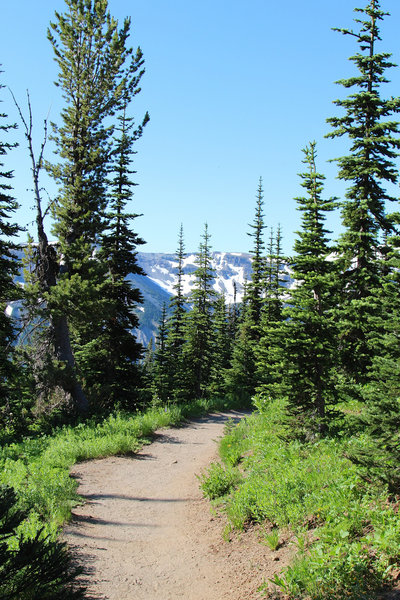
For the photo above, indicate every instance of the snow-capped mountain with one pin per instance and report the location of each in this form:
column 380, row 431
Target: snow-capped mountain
column 229, row 267
column 157, row 286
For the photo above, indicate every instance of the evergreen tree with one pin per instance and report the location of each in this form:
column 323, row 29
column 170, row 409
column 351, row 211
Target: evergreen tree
column 8, row 270
column 309, row 348
column 176, row 326
column 221, row 353
column 380, row 418
column 257, row 282
column 368, row 167
column 242, row 379
column 233, row 315
column 197, row 355
column 146, row 375
column 161, row 360
column 111, row 364
column 269, row 371
column 98, row 75
column 47, row 344
column 39, row 569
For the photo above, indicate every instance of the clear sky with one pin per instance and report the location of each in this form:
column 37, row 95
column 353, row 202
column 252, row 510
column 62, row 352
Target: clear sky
column 234, row 90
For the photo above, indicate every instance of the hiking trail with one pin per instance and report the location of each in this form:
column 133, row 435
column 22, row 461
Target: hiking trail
column 146, row 533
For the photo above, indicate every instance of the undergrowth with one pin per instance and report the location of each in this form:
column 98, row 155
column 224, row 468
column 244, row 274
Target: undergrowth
column 346, row 532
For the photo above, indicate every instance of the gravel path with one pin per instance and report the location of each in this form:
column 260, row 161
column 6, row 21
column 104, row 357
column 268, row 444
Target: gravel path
column 145, row 533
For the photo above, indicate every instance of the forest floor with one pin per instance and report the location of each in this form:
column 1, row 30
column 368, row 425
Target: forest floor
column 145, row 532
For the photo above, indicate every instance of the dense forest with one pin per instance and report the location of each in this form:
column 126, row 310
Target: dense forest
column 319, row 362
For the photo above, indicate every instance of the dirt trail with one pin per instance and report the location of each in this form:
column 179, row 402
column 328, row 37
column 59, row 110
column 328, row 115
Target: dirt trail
column 145, row 533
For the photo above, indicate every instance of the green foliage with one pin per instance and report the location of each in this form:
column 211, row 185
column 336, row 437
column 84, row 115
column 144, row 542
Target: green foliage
column 37, row 568
column 347, row 533
column 234, row 444
column 8, row 290
column 38, row 467
column 198, row 349
column 308, row 343
column 369, row 167
column 176, row 328
column 218, row 480
column 272, row 538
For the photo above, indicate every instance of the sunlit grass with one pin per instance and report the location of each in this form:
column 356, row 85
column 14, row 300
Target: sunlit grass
column 346, row 532
column 38, row 468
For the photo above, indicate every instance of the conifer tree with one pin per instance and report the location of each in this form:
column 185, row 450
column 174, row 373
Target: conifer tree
column 242, row 379
column 146, row 371
column 199, row 324
column 257, row 282
column 233, row 315
column 111, row 363
column 269, row 373
column 38, row 569
column 98, row 75
column 161, row 360
column 222, row 347
column 176, row 326
column 309, row 343
column 8, row 270
column 46, row 343
column 368, row 168
column 380, row 419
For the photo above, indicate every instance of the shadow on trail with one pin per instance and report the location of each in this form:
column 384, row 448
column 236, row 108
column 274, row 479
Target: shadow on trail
column 134, row 498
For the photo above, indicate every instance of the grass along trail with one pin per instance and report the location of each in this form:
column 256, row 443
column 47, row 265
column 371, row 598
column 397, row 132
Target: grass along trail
column 145, row 532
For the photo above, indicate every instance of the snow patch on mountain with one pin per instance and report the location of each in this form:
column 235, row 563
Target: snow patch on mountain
column 230, row 268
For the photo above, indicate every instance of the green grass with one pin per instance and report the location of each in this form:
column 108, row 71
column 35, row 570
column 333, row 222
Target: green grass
column 346, row 533
column 38, row 467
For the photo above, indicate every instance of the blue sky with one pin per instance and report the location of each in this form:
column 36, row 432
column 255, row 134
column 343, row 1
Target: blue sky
column 234, row 90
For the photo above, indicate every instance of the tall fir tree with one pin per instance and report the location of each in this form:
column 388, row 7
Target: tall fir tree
column 111, row 363
column 161, row 362
column 46, row 342
column 221, row 348
column 269, row 371
column 380, row 419
column 309, row 343
column 257, row 282
column 241, row 378
column 8, row 270
column 197, row 356
column 369, row 167
column 176, row 325
column 98, row 75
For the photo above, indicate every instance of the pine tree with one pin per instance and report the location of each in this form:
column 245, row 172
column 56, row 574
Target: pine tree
column 8, row 270
column 368, row 167
column 241, row 379
column 39, row 569
column 269, row 371
column 309, row 347
column 161, row 360
column 257, row 282
column 98, row 75
column 221, row 348
column 47, row 343
column 111, row 363
column 197, row 355
column 233, row 315
column 176, row 326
